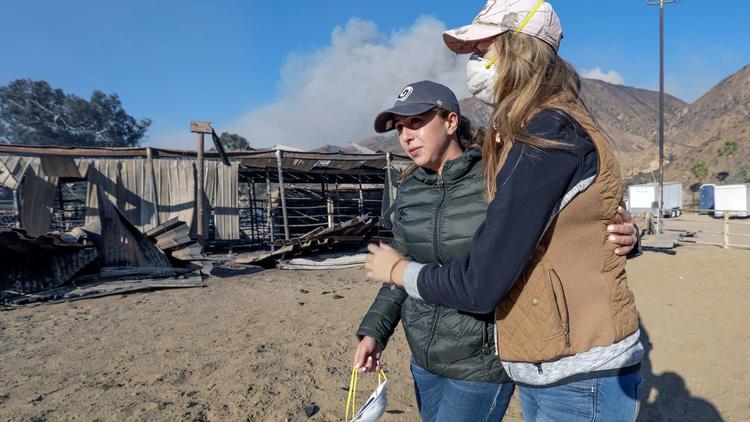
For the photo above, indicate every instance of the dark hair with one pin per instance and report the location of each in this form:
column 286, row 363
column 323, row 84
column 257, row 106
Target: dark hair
column 468, row 136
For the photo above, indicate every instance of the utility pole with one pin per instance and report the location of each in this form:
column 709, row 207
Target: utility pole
column 660, row 212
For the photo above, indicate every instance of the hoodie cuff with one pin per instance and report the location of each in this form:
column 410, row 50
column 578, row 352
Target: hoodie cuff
column 411, row 274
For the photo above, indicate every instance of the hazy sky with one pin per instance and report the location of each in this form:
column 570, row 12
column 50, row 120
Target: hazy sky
column 307, row 73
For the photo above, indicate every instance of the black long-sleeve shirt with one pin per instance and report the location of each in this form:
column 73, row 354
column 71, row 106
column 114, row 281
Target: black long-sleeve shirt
column 531, row 187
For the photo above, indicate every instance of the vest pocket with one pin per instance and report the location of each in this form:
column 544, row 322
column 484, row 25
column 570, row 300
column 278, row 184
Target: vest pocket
column 532, row 321
column 558, row 294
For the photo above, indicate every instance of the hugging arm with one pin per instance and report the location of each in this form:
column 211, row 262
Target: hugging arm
column 530, row 187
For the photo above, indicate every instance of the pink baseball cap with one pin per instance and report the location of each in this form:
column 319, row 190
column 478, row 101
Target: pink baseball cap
column 533, row 17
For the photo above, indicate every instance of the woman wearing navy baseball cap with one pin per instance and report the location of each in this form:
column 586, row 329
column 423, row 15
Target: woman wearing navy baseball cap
column 438, row 207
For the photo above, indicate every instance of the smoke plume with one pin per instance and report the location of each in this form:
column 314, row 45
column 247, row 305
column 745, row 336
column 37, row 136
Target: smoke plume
column 331, row 96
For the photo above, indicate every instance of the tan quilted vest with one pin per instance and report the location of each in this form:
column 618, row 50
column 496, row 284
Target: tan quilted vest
column 573, row 295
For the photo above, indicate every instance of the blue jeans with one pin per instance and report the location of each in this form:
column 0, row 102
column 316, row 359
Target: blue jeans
column 610, row 399
column 442, row 399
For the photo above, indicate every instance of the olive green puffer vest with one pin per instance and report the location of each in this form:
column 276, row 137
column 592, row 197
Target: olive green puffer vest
column 435, row 219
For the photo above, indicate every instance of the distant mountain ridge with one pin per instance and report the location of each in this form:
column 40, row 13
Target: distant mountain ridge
column 716, row 129
column 694, row 132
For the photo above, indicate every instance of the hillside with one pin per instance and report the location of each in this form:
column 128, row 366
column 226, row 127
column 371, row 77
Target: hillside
column 714, row 129
column 379, row 143
column 631, row 118
column 629, row 115
column 717, row 126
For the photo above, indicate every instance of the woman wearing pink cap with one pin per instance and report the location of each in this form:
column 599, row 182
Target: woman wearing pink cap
column 566, row 323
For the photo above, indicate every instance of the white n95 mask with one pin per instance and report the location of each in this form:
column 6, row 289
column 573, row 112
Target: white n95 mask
column 481, row 78
column 374, row 407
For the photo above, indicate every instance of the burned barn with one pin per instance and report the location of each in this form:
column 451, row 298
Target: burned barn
column 260, row 197
column 145, row 200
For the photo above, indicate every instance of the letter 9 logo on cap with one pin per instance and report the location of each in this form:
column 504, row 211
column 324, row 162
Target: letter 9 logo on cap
column 405, row 93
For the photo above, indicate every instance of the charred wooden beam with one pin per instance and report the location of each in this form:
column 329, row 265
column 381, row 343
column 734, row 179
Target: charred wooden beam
column 280, row 169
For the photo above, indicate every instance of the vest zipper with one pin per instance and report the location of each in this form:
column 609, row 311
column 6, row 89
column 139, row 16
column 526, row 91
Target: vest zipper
column 539, row 368
column 439, row 261
column 439, row 207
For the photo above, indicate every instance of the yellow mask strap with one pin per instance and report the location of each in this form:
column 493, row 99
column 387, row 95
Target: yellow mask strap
column 352, row 396
column 381, row 377
column 490, row 63
column 529, row 16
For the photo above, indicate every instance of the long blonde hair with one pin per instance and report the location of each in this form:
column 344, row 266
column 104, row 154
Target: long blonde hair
column 531, row 77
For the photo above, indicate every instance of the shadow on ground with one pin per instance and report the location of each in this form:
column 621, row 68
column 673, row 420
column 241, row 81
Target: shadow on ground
column 673, row 401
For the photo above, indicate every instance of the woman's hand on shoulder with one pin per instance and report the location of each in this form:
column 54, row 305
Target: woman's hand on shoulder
column 624, row 235
column 367, row 355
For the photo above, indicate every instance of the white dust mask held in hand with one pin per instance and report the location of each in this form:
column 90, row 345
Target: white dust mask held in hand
column 374, row 407
column 481, row 78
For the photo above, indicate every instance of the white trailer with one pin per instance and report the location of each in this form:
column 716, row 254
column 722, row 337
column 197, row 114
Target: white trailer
column 644, row 198
column 732, row 198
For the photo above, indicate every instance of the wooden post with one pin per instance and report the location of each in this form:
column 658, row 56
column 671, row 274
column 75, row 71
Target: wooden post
column 279, row 157
column 201, row 128
column 17, row 207
column 62, row 206
column 253, row 222
column 327, row 204
column 330, row 209
column 200, row 229
column 154, row 190
column 338, row 200
column 269, row 209
column 361, row 202
column 726, row 229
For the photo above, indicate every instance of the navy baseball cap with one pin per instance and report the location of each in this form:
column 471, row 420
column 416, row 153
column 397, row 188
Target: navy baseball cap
column 415, row 99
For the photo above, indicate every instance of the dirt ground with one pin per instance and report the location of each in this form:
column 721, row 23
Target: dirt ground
column 266, row 346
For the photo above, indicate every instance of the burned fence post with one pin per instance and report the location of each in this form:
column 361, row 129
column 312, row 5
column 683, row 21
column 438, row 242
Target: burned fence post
column 361, row 201
column 330, row 210
column 337, row 202
column 201, row 128
column 327, row 204
column 279, row 157
column 154, row 189
column 61, row 202
column 269, row 209
column 253, row 222
column 17, row 207
column 200, row 191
